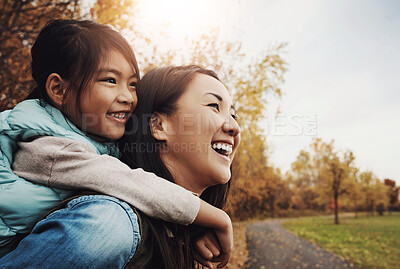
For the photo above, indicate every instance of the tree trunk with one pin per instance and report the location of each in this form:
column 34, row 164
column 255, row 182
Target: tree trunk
column 272, row 205
column 372, row 208
column 368, row 208
column 336, row 209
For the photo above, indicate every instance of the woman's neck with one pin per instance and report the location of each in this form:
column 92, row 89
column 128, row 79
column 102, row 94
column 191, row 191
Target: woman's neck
column 183, row 177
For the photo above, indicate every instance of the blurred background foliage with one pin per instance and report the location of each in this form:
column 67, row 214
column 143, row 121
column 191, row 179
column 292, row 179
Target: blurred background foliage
column 321, row 179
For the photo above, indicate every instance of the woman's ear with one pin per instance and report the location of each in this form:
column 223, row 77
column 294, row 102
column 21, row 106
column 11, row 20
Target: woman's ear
column 158, row 126
column 55, row 88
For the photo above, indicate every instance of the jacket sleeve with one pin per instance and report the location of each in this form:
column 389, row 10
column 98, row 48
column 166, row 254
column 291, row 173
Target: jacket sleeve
column 64, row 163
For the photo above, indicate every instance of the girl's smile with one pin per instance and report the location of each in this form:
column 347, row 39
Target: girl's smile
column 108, row 104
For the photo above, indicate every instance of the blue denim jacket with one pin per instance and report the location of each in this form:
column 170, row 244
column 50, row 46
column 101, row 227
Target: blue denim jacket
column 92, row 231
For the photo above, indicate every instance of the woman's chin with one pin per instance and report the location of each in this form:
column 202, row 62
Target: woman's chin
column 223, row 179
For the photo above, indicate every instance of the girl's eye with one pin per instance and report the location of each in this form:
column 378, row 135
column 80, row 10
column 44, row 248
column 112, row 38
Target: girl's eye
column 214, row 105
column 234, row 116
column 133, row 84
column 110, row 80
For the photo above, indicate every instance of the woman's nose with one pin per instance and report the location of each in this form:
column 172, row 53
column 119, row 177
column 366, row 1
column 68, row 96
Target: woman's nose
column 231, row 127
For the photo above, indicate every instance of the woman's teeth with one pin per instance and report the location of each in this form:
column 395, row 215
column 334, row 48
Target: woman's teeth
column 118, row 115
column 222, row 148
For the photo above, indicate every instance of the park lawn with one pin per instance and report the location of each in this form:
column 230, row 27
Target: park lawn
column 367, row 242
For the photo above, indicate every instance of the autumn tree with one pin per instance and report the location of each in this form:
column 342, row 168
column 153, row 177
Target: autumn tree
column 304, row 176
column 381, row 197
column 367, row 180
column 20, row 22
column 120, row 14
column 393, row 192
column 322, row 174
column 375, row 192
column 277, row 194
column 334, row 169
column 355, row 197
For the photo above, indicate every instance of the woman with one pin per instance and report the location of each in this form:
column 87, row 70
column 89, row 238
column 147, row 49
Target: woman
column 184, row 131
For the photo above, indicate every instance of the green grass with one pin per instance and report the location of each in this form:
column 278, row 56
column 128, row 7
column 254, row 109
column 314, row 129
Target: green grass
column 367, row 242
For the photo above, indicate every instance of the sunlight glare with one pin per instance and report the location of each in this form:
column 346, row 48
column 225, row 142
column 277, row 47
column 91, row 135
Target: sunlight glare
column 184, row 17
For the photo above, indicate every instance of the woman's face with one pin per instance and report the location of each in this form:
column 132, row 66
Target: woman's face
column 202, row 135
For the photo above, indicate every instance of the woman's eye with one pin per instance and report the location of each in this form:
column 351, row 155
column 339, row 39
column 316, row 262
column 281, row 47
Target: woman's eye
column 214, row 105
column 234, row 116
column 110, row 80
column 133, row 84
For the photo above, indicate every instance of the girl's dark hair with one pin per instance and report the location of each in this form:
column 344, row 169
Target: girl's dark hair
column 159, row 91
column 74, row 50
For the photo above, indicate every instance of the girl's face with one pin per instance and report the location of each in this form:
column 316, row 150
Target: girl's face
column 202, row 135
column 109, row 100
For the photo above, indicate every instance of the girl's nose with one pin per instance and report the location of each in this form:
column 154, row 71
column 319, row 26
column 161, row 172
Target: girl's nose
column 127, row 96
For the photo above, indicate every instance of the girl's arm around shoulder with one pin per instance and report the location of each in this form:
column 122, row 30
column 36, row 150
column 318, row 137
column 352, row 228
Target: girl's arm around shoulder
column 70, row 164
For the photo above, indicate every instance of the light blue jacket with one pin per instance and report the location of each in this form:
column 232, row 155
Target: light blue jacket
column 22, row 203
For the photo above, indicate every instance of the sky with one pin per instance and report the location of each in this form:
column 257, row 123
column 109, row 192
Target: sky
column 343, row 78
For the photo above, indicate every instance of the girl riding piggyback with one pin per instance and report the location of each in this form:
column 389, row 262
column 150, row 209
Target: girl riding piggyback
column 86, row 75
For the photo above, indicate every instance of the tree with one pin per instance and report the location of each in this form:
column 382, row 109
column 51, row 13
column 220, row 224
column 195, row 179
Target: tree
column 381, row 197
column 20, row 22
column 272, row 190
column 335, row 168
column 323, row 174
column 367, row 180
column 304, row 176
column 393, row 193
column 376, row 196
column 355, row 197
column 252, row 92
column 119, row 14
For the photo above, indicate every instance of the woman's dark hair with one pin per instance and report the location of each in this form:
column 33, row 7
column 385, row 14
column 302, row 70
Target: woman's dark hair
column 159, row 91
column 74, row 50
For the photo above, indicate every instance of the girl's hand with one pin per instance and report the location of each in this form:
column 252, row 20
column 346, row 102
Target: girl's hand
column 207, row 249
column 221, row 224
column 225, row 238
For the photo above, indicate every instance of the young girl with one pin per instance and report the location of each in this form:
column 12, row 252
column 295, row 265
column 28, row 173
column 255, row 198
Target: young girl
column 87, row 76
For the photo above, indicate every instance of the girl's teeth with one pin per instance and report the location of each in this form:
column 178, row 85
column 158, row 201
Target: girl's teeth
column 120, row 116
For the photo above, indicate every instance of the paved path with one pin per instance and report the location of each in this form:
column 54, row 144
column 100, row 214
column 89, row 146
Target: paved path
column 270, row 246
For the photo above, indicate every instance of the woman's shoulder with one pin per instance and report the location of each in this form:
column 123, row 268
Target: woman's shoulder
column 109, row 213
